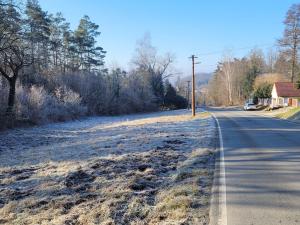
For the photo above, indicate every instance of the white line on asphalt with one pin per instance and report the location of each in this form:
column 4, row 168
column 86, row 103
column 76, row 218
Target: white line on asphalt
column 222, row 220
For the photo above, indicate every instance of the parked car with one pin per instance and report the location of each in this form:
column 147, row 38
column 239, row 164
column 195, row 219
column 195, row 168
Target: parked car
column 249, row 106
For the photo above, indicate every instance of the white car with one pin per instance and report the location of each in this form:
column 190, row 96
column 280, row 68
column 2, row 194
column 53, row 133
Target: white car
column 249, row 106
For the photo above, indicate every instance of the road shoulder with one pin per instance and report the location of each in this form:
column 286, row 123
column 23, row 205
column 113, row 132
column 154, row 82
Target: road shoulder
column 218, row 211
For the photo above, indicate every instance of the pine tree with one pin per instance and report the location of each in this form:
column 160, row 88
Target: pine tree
column 38, row 34
column 10, row 24
column 56, row 38
column 90, row 55
column 256, row 66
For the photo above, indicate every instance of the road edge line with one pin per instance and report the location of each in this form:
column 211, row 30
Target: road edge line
column 221, row 189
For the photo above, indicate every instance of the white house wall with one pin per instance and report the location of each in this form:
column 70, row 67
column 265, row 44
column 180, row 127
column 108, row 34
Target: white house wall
column 274, row 92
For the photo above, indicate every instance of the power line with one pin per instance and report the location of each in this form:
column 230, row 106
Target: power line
column 237, row 49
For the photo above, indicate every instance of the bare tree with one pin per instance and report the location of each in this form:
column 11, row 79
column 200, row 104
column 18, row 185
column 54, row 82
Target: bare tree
column 12, row 48
column 232, row 82
column 227, row 70
column 281, row 64
column 269, row 78
column 153, row 68
column 271, row 60
column 291, row 37
column 146, row 58
column 13, row 61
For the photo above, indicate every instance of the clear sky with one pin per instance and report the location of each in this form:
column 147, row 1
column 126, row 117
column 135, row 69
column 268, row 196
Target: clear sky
column 183, row 27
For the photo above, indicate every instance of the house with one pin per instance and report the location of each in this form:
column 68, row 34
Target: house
column 285, row 94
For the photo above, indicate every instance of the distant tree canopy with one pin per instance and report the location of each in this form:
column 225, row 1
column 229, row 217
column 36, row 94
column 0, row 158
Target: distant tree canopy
column 234, row 81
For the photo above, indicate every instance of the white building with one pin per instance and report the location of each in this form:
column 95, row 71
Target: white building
column 285, row 94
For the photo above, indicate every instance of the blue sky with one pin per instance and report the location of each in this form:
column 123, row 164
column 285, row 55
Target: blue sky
column 182, row 27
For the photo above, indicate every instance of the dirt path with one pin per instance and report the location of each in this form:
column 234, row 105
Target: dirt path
column 140, row 169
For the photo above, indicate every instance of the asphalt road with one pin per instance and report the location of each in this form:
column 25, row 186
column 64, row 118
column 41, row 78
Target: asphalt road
column 262, row 166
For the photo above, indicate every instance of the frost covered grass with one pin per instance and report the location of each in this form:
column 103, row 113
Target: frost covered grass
column 140, row 169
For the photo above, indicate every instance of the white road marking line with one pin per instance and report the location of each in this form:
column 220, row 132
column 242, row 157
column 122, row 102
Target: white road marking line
column 222, row 220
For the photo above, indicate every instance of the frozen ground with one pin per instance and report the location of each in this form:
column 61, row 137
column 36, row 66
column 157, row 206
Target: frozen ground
column 140, row 169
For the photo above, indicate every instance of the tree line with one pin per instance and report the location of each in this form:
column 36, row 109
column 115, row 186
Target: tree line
column 238, row 79
column 49, row 72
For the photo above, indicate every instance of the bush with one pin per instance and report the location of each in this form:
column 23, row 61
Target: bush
column 42, row 98
column 36, row 105
column 71, row 102
column 172, row 100
column 263, row 91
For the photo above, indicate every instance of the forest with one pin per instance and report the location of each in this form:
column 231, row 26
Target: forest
column 49, row 72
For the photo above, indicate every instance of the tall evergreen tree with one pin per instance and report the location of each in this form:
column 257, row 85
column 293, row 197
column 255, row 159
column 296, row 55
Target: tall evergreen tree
column 57, row 27
column 90, row 55
column 256, row 66
column 38, row 34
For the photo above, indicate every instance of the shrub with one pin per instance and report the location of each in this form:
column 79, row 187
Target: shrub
column 264, row 90
column 172, row 100
column 53, row 96
column 71, row 102
column 35, row 104
column 38, row 106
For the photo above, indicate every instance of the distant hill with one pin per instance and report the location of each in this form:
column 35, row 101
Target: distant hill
column 201, row 78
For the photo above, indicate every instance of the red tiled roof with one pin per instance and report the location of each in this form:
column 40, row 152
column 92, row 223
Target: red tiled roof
column 286, row 89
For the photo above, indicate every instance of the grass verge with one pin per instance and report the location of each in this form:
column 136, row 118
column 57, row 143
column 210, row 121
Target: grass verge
column 293, row 113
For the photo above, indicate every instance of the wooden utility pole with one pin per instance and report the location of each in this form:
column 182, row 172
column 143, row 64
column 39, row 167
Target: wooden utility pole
column 188, row 93
column 193, row 57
